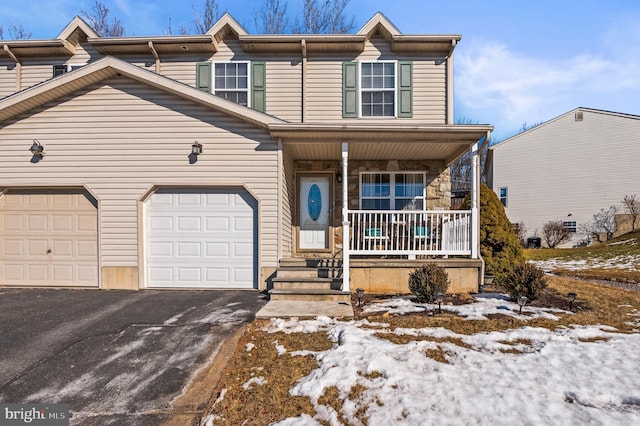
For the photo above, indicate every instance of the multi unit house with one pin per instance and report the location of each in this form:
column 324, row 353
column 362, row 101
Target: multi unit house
column 210, row 161
column 567, row 169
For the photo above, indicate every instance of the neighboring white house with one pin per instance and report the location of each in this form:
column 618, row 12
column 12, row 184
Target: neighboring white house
column 567, row 169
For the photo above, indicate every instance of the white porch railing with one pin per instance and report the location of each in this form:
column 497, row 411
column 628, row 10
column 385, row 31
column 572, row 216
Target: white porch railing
column 410, row 232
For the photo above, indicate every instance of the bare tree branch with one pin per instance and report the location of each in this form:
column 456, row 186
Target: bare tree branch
column 272, row 17
column 555, row 233
column 632, row 205
column 98, row 18
column 204, row 20
column 324, row 17
column 16, row 32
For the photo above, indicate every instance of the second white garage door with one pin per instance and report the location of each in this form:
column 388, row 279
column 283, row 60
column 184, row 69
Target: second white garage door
column 199, row 238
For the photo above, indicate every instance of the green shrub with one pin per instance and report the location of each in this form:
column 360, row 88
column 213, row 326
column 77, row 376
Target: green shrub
column 499, row 245
column 426, row 282
column 525, row 279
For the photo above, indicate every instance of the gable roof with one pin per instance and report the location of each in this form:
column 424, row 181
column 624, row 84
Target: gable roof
column 76, row 29
column 553, row 120
column 108, row 67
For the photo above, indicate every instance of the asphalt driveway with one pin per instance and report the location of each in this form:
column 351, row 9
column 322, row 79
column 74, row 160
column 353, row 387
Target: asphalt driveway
column 116, row 357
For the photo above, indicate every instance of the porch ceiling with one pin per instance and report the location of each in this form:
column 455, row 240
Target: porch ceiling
column 370, row 142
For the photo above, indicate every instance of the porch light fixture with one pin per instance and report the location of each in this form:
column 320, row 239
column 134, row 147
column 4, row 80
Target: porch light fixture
column 360, row 295
column 339, row 177
column 440, row 299
column 522, row 300
column 37, row 149
column 572, row 298
column 196, row 148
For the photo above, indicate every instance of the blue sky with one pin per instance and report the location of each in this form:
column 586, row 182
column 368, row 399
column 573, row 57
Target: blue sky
column 518, row 61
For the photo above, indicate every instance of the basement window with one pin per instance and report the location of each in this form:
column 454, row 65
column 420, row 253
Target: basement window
column 571, row 226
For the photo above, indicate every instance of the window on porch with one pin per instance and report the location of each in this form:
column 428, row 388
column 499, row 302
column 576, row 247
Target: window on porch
column 392, row 190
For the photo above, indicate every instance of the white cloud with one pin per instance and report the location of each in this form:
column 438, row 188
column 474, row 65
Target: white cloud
column 507, row 88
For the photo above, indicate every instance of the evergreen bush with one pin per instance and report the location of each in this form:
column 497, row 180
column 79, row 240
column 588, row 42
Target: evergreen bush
column 499, row 245
column 427, row 281
column 525, row 279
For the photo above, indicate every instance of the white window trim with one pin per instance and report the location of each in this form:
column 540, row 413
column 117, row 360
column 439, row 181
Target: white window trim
column 395, row 89
column 392, row 184
column 70, row 67
column 213, row 77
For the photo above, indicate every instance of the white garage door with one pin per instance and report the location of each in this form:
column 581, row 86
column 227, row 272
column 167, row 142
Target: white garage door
column 201, row 239
column 48, row 238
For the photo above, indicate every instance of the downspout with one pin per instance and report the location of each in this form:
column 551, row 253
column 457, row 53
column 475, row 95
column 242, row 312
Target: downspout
column 487, row 140
column 303, row 44
column 154, row 52
column 450, row 119
column 18, row 67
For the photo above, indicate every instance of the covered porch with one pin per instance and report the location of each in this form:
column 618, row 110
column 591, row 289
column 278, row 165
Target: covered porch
column 375, row 199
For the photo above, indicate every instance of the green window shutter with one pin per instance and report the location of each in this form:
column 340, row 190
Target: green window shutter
column 405, row 90
column 349, row 89
column 258, row 86
column 203, row 76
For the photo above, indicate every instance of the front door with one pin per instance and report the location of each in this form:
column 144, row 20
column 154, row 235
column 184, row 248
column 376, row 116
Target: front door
column 314, row 210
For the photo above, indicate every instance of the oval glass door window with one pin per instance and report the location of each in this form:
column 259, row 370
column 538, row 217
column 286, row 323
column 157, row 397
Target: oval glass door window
column 314, row 201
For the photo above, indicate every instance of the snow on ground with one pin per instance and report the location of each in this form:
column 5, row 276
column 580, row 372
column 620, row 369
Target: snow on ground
column 558, row 378
column 630, row 262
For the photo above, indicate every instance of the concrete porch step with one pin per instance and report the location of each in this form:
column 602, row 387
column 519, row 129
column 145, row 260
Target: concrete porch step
column 310, row 263
column 301, row 309
column 310, row 295
column 302, row 284
column 297, row 272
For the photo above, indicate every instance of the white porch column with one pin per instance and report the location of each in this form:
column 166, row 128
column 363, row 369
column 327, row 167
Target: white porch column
column 345, row 217
column 475, row 201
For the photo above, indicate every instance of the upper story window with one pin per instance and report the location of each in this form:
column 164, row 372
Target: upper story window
column 503, row 195
column 392, row 190
column 231, row 81
column 378, row 89
column 241, row 82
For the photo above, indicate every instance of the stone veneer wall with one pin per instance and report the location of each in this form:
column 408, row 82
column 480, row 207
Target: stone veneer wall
column 438, row 184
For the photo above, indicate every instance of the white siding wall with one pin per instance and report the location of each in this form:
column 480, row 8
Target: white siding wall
column 567, row 166
column 121, row 138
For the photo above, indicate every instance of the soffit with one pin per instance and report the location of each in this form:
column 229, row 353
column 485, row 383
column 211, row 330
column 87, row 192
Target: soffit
column 163, row 45
column 28, row 48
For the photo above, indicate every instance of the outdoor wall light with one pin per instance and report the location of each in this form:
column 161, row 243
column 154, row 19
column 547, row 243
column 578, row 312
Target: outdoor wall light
column 196, row 148
column 440, row 299
column 37, row 149
column 360, row 295
column 572, row 298
column 522, row 300
column 339, row 177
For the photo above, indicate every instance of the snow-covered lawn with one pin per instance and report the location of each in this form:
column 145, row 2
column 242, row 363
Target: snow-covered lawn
column 528, row 375
column 628, row 262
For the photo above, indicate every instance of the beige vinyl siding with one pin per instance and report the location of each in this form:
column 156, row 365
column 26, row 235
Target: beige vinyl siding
column 230, row 49
column 566, row 166
column 121, row 138
column 180, row 69
column 429, row 91
column 35, row 73
column 288, row 203
column 324, row 89
column 7, row 78
column 324, row 85
column 284, row 89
